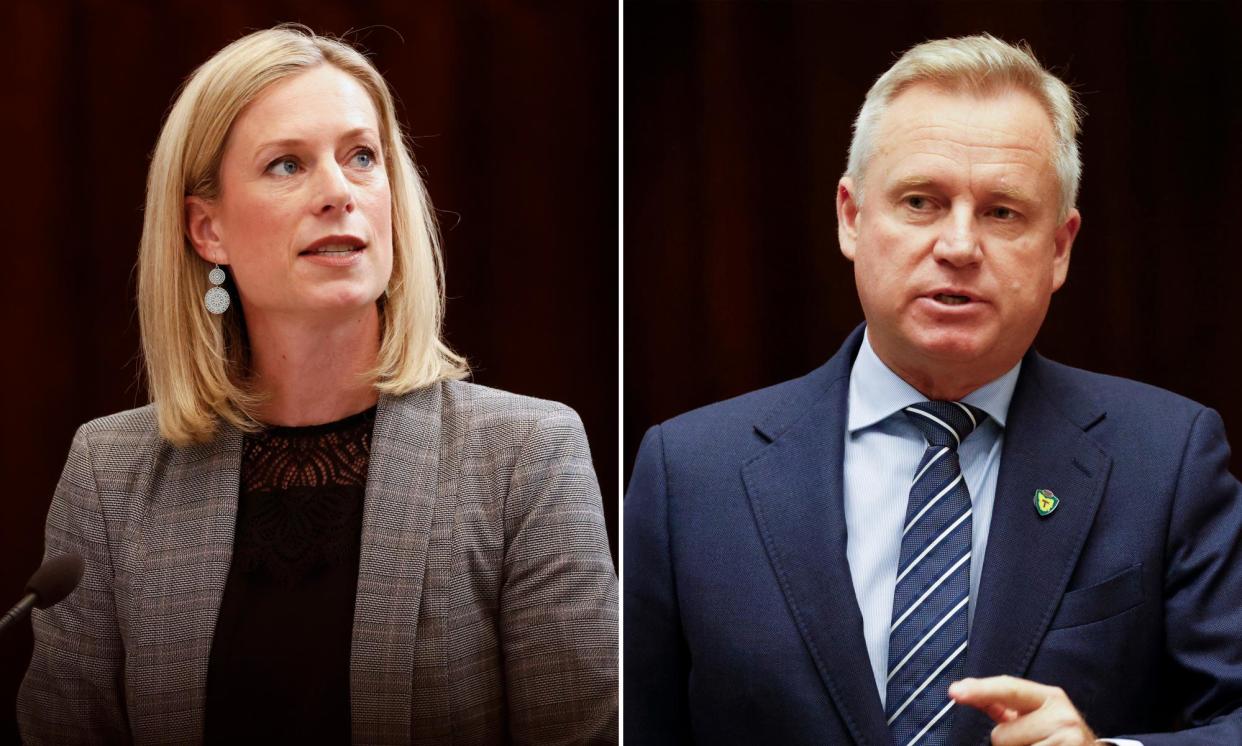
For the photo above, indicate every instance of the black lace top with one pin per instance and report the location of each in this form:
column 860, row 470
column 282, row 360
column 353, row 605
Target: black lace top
column 279, row 665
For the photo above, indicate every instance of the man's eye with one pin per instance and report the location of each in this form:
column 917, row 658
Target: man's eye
column 916, row 202
column 1003, row 213
column 283, row 167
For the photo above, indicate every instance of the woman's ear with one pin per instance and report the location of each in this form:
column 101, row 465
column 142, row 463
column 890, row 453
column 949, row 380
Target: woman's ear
column 203, row 231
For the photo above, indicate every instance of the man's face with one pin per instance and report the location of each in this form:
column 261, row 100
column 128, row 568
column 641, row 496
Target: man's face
column 957, row 246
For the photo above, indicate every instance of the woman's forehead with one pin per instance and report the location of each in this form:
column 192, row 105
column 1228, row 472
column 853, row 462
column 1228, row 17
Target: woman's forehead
column 323, row 100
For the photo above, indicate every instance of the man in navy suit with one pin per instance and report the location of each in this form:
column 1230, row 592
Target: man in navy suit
column 940, row 536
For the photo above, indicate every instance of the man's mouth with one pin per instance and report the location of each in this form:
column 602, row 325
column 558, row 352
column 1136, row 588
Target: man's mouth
column 950, row 300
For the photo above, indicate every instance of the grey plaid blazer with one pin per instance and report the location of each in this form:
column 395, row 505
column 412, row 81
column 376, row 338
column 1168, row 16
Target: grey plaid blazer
column 487, row 599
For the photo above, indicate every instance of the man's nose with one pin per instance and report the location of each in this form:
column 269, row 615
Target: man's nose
column 334, row 190
column 958, row 242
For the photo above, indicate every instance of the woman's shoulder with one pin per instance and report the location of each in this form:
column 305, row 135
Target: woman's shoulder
column 494, row 446
column 127, row 426
column 126, row 441
column 478, row 405
column 481, row 414
column 489, row 403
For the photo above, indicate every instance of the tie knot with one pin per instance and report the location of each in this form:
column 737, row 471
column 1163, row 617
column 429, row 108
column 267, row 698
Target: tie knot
column 945, row 423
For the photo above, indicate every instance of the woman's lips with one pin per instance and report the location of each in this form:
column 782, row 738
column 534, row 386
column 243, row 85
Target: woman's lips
column 333, row 256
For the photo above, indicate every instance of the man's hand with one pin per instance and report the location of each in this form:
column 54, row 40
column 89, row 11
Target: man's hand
column 1026, row 712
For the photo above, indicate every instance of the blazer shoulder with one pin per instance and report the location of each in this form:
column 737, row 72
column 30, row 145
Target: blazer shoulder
column 121, row 458
column 488, row 408
column 503, row 422
column 502, row 434
column 127, row 424
column 1117, row 397
column 740, row 414
column 132, row 435
column 718, row 438
column 484, row 401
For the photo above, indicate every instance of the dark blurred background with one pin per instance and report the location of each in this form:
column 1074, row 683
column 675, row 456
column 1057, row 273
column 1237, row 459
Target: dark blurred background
column 513, row 106
column 737, row 123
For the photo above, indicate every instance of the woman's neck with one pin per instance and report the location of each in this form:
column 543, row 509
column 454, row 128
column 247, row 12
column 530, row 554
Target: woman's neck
column 312, row 373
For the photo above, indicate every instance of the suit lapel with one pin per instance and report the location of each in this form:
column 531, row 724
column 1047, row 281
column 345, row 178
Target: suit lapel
column 396, row 527
column 795, row 486
column 1029, row 558
column 187, row 542
column 187, row 545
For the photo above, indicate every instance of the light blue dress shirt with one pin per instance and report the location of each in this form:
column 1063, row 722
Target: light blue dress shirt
column 882, row 453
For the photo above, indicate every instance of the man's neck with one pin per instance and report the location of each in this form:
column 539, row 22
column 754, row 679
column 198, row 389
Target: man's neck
column 316, row 372
column 940, row 381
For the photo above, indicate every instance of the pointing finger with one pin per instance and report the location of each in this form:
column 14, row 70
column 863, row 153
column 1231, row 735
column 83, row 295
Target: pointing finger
column 1001, row 713
column 1008, row 692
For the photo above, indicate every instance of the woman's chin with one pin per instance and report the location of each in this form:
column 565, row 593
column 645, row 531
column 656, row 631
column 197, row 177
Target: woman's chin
column 318, row 306
column 343, row 295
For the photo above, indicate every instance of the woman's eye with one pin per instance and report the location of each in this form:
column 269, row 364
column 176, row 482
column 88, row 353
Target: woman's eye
column 283, row 167
column 364, row 158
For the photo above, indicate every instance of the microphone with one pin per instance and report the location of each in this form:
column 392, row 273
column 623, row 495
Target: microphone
column 55, row 579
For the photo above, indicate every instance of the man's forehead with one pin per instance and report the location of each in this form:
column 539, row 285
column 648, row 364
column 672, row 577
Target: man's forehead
column 1009, row 117
column 928, row 133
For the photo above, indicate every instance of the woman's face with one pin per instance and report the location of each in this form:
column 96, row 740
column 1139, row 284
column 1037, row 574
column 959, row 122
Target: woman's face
column 304, row 214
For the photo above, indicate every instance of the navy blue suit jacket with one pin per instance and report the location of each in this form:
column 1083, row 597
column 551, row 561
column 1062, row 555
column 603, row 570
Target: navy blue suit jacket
column 741, row 623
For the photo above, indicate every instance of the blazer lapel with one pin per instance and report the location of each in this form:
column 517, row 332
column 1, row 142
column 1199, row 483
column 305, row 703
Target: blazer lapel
column 1029, row 558
column 795, row 486
column 187, row 544
column 396, row 527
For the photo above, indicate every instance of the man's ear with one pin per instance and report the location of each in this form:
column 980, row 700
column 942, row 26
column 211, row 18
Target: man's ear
column 202, row 229
column 1063, row 242
column 847, row 216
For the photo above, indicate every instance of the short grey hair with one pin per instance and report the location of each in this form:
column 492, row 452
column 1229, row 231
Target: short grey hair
column 977, row 64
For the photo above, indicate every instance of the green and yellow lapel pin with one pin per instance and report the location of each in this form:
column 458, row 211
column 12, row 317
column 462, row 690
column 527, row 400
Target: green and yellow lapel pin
column 1045, row 502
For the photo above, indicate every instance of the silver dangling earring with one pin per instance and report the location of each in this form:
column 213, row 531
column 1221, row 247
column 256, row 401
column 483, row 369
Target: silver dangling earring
column 217, row 298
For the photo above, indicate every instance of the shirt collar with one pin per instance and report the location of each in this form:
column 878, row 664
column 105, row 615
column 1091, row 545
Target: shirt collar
column 876, row 392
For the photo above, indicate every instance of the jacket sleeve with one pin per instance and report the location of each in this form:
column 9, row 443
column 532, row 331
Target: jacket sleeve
column 558, row 603
column 1202, row 588
column 73, row 691
column 657, row 660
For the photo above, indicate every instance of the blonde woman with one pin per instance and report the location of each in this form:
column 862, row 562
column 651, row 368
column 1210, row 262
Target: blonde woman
column 316, row 532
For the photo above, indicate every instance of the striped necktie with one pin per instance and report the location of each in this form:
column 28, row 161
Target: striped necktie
column 927, row 639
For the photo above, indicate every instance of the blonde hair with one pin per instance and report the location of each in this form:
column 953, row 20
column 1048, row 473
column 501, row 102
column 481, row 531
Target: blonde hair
column 197, row 363
column 977, row 64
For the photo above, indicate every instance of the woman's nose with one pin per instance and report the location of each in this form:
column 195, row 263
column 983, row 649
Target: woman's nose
column 336, row 193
